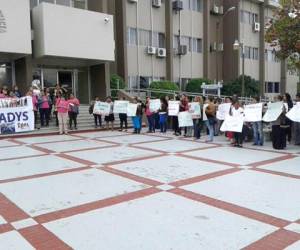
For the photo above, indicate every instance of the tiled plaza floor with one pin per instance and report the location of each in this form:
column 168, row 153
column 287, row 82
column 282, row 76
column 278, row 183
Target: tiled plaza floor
column 118, row 191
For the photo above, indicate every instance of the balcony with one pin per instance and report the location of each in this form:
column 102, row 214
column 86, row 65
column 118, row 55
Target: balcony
column 66, row 33
column 15, row 32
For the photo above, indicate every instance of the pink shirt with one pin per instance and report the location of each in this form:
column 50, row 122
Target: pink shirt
column 62, row 106
column 73, row 101
column 34, row 102
column 45, row 103
column 2, row 95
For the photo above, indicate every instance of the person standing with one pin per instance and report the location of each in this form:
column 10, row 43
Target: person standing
column 258, row 134
column 44, row 103
column 237, row 111
column 289, row 124
column 150, row 116
column 110, row 118
column 184, row 106
column 297, row 124
column 177, row 130
column 197, row 119
column 123, row 119
column 163, row 115
column 210, row 113
column 62, row 106
column 97, row 117
column 73, row 111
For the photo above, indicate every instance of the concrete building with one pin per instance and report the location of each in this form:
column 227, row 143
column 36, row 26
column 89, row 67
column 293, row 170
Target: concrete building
column 70, row 42
column 80, row 43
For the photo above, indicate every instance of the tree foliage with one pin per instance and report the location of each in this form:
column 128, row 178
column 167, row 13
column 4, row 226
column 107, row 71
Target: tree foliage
column 116, row 82
column 235, row 87
column 163, row 85
column 194, row 85
column 283, row 32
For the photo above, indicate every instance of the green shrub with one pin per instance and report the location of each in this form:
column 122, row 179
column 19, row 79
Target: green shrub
column 194, row 85
column 163, row 85
column 116, row 82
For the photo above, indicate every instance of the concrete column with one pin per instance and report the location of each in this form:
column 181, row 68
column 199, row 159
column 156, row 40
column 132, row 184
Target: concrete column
column 169, row 40
column 99, row 76
column 262, row 62
column 23, row 69
column 206, row 38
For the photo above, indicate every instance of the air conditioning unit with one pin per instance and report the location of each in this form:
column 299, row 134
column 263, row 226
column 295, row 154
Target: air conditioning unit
column 132, row 1
column 256, row 27
column 161, row 52
column 221, row 47
column 215, row 9
column 177, row 5
column 151, row 50
column 182, row 50
column 213, row 46
column 156, row 3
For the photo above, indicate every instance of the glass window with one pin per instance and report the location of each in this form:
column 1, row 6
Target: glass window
column 144, row 37
column 276, row 87
column 131, row 36
column 197, row 45
column 145, row 82
column 186, row 41
column 46, row 1
column 6, row 74
column 161, row 40
column 186, row 4
column 64, row 2
column 197, row 5
column 132, row 82
column 80, row 4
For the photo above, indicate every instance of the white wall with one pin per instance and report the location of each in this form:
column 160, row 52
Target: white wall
column 74, row 33
column 17, row 38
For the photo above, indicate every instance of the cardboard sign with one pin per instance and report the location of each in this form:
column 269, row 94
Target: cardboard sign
column 273, row 112
column 154, row 105
column 131, row 109
column 185, row 119
column 233, row 124
column 253, row 112
column 101, row 108
column 223, row 111
column 294, row 113
column 195, row 109
column 173, row 108
column 120, row 107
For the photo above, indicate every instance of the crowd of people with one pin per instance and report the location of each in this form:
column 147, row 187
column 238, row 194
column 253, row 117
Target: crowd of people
column 63, row 107
column 49, row 103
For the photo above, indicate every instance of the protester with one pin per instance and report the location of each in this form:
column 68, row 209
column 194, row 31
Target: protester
column 97, row 117
column 184, row 106
column 289, row 105
column 73, row 111
column 44, row 103
column 150, row 117
column 258, row 134
column 62, row 106
column 197, row 119
column 278, row 129
column 237, row 111
column 210, row 113
column 34, row 107
column 110, row 118
column 4, row 93
column 177, row 130
column 297, row 125
column 163, row 115
column 137, row 124
column 16, row 91
column 123, row 120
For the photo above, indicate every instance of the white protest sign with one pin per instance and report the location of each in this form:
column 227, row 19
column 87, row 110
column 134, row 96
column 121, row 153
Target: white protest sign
column 294, row 113
column 223, row 111
column 185, row 119
column 195, row 109
column 131, row 109
column 120, row 107
column 154, row 105
column 173, row 108
column 253, row 112
column 232, row 124
column 14, row 120
column 273, row 112
column 101, row 108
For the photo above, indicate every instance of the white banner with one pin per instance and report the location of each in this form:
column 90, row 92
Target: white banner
column 173, row 108
column 101, row 108
column 223, row 111
column 16, row 102
column 131, row 109
column 185, row 119
column 120, row 107
column 195, row 109
column 294, row 113
column 232, row 124
column 15, row 120
column 154, row 105
column 253, row 112
column 273, row 112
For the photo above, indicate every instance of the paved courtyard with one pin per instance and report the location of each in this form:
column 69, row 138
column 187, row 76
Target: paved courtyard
column 119, row 191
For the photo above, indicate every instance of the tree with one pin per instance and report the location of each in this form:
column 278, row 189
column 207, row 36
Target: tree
column 283, row 32
column 235, row 87
column 194, row 85
column 163, row 85
column 116, row 82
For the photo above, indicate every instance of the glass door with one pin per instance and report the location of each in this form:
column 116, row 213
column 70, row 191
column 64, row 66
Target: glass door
column 65, row 79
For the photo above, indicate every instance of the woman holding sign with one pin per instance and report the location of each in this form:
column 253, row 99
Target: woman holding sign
column 110, row 118
column 163, row 115
column 150, row 116
column 210, row 113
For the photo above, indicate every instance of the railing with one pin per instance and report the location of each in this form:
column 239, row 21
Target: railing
column 154, row 93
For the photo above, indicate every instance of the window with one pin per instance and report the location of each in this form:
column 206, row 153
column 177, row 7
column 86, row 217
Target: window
column 250, row 53
column 159, row 40
column 80, row 4
column 145, row 82
column 272, row 87
column 133, row 82
column 131, row 36
column 186, row 41
column 186, row 4
column 197, row 45
column 197, row 5
column 64, row 2
column 248, row 17
column 144, row 37
column 270, row 56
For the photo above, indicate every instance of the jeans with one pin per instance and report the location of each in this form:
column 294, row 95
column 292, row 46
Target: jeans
column 44, row 115
column 97, row 118
column 210, row 128
column 197, row 128
column 163, row 123
column 151, row 122
column 258, row 133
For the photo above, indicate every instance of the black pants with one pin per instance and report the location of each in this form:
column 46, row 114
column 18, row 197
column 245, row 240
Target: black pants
column 56, row 118
column 72, row 118
column 176, row 128
column 238, row 137
column 123, row 120
column 98, row 118
column 278, row 137
column 44, row 116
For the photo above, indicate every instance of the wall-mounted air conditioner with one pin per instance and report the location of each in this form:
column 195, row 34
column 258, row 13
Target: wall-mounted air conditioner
column 256, row 27
column 182, row 50
column 215, row 9
column 161, row 52
column 156, row 3
column 151, row 50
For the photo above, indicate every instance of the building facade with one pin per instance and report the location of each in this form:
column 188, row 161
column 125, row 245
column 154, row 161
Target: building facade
column 70, row 42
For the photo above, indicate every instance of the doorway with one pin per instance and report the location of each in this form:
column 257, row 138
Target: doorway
column 66, row 80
